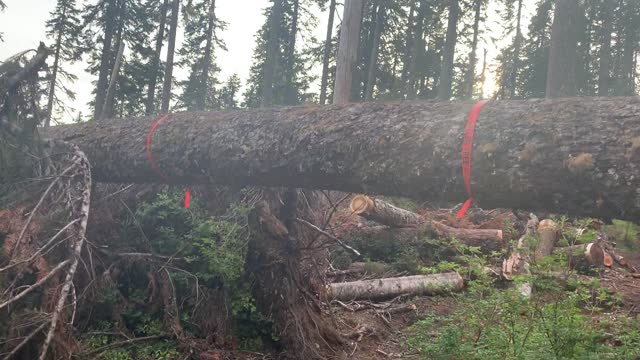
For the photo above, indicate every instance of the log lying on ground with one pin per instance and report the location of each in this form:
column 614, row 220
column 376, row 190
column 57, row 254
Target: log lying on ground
column 577, row 155
column 392, row 287
column 405, row 225
column 383, row 213
column 584, row 256
column 548, row 235
column 519, row 261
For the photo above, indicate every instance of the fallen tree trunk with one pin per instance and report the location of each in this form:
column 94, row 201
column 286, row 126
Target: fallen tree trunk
column 392, row 287
column 584, row 256
column 383, row 213
column 548, row 235
column 573, row 154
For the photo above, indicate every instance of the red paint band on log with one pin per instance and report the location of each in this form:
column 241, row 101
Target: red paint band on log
column 467, row 151
column 154, row 166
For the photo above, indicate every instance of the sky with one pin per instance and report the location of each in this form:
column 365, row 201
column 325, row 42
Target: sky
column 23, row 25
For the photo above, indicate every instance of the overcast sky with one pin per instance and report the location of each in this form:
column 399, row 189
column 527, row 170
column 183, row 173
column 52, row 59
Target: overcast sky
column 23, row 25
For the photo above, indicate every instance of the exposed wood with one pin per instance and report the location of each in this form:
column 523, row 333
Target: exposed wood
column 347, row 51
column 584, row 256
column 620, row 259
column 559, row 149
column 548, row 235
column 519, row 261
column 561, row 75
column 107, row 109
column 607, row 259
column 392, row 287
column 382, row 212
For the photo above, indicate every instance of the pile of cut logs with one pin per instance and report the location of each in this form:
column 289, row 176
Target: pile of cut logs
column 539, row 240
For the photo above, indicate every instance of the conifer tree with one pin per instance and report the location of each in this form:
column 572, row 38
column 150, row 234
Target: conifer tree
column 63, row 27
column 229, row 93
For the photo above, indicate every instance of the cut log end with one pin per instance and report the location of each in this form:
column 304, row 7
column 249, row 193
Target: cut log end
column 361, row 204
column 607, row 260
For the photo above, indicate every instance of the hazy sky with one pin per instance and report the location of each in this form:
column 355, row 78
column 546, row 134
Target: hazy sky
column 23, row 25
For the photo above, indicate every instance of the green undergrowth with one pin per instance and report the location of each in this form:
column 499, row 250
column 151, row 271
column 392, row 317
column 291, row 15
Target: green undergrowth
column 209, row 273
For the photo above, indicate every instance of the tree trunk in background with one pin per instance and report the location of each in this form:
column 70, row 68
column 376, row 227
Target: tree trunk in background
column 106, row 56
column 604, row 72
column 630, row 47
column 407, row 52
column 561, row 76
column 347, row 51
column 517, row 45
column 416, row 44
column 483, row 74
column 168, row 74
column 576, row 155
column 107, row 109
column 54, row 78
column 471, row 72
column 373, row 56
column 270, row 64
column 446, row 76
column 151, row 90
column 201, row 101
column 291, row 98
column 327, row 54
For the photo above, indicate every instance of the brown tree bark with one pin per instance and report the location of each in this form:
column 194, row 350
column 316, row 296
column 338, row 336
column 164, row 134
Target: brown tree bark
column 548, row 234
column 584, row 256
column 561, row 75
column 576, row 155
column 391, row 287
column 168, row 74
column 327, row 54
column 446, row 76
column 383, row 213
column 347, row 51
column 107, row 109
column 151, row 90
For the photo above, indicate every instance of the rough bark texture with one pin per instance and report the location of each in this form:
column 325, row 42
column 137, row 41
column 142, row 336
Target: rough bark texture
column 548, row 234
column 107, row 109
column 327, row 54
column 383, row 213
column 392, row 287
column 574, row 155
column 561, row 76
column 347, row 51
column 168, row 75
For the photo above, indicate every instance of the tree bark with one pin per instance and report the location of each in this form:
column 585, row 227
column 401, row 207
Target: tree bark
column 573, row 154
column 107, row 109
column 473, row 58
column 270, row 64
column 415, row 48
column 604, row 72
column 347, row 51
column 548, row 234
column 168, row 74
column 327, row 54
column 151, row 90
column 383, row 213
column 561, row 75
column 373, row 56
column 446, row 76
column 584, row 256
column 106, row 56
column 391, row 287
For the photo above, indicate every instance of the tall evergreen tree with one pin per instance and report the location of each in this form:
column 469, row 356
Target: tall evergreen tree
column 533, row 77
column 446, row 77
column 167, row 84
column 197, row 55
column 63, row 26
column 229, row 93
column 604, row 70
column 155, row 66
column 291, row 78
column 328, row 49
